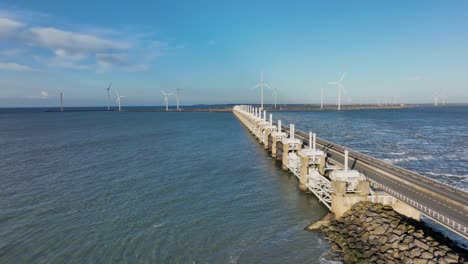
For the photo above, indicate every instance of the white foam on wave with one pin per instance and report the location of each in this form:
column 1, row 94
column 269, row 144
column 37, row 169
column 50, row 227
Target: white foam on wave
column 411, row 158
column 449, row 175
column 371, row 152
column 330, row 257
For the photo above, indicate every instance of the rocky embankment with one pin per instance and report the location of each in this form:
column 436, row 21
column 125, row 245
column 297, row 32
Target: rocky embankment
column 373, row 233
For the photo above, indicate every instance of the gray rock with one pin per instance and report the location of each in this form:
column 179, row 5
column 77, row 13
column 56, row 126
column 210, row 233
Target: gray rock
column 403, row 247
column 394, row 223
column 415, row 252
column 452, row 258
column 439, row 253
column 408, row 239
column 380, row 230
column 392, row 238
column 427, row 255
column 418, row 234
column 383, row 240
column 421, row 244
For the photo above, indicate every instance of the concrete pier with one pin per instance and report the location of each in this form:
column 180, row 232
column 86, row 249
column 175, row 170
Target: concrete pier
column 322, row 169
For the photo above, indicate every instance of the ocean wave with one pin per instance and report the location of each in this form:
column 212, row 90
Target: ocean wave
column 406, row 159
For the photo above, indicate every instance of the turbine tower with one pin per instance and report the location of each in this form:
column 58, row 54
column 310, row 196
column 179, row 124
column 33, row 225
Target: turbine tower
column 108, row 96
column 321, row 98
column 275, row 94
column 261, row 85
column 166, row 99
column 177, row 98
column 119, row 100
column 340, row 86
column 61, row 101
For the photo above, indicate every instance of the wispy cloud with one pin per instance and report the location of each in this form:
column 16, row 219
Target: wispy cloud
column 77, row 47
column 111, row 59
column 415, row 78
column 120, row 61
column 44, row 94
column 72, row 44
column 57, row 62
column 12, row 66
column 9, row 27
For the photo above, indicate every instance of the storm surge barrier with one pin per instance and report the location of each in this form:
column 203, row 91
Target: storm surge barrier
column 340, row 177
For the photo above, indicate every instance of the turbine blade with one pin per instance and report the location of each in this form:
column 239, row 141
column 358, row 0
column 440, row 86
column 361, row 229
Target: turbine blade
column 342, row 76
column 116, row 93
column 266, row 84
column 109, row 86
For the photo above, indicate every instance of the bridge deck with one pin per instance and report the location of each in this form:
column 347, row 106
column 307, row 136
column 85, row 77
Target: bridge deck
column 443, row 203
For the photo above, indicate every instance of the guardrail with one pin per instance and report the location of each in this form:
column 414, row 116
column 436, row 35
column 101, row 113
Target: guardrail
column 446, row 220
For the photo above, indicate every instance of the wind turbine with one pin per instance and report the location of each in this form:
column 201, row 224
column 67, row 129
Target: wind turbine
column 61, row 101
column 166, row 99
column 275, row 94
column 261, row 84
column 177, row 97
column 321, row 98
column 119, row 99
column 436, row 99
column 108, row 96
column 340, row 86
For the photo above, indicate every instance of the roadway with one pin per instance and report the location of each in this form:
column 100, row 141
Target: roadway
column 439, row 198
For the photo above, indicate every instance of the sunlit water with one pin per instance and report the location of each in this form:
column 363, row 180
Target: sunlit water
column 432, row 141
column 107, row 187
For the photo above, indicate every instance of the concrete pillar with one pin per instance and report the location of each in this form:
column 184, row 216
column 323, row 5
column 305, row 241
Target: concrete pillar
column 342, row 201
column 268, row 131
column 304, row 172
column 363, row 188
column 337, row 197
column 338, row 187
column 273, row 146
column 406, row 210
column 285, row 157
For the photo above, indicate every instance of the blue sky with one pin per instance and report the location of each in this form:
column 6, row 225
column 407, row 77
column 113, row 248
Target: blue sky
column 215, row 50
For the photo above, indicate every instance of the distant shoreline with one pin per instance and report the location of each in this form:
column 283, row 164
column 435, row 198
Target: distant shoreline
column 268, row 108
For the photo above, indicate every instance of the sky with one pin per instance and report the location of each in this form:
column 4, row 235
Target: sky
column 215, row 51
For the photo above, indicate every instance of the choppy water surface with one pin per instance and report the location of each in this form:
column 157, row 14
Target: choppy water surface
column 108, row 187
column 432, row 141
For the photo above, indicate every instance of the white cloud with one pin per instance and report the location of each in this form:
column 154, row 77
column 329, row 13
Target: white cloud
column 44, row 94
column 120, row 61
column 9, row 27
column 110, row 59
column 59, row 63
column 415, row 78
column 72, row 45
column 137, row 68
column 12, row 66
column 87, row 48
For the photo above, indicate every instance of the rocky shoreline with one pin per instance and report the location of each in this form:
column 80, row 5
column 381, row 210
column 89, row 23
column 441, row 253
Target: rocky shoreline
column 374, row 233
